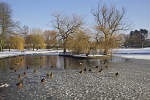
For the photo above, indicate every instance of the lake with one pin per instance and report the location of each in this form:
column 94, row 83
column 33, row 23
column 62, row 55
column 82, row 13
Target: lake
column 133, row 81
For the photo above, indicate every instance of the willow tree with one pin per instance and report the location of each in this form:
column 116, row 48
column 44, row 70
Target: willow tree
column 109, row 21
column 36, row 38
column 66, row 25
column 79, row 42
column 15, row 41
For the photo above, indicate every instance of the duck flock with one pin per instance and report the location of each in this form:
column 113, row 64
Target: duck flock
column 127, row 80
column 20, row 84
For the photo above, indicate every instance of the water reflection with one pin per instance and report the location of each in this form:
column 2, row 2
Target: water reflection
column 53, row 62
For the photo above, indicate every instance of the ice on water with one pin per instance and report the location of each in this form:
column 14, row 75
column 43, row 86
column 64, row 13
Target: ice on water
column 133, row 83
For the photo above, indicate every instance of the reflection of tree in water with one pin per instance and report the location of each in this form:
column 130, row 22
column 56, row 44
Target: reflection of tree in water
column 3, row 68
column 34, row 61
column 65, row 63
column 51, row 61
column 15, row 62
column 88, row 63
column 55, row 61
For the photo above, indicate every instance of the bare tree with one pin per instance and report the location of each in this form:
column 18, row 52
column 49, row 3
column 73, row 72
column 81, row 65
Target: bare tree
column 50, row 39
column 25, row 32
column 109, row 21
column 66, row 25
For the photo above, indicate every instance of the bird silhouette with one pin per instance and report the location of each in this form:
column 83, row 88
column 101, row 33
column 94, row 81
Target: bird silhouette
column 43, row 80
column 34, row 71
column 24, row 73
column 20, row 83
column 81, row 71
column 90, row 70
column 51, row 75
column 101, row 70
column 85, row 69
column 19, row 77
column 47, row 74
column 97, row 67
column 117, row 74
column 107, row 67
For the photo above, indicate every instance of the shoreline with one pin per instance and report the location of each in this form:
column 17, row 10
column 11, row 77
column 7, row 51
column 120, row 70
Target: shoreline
column 125, row 53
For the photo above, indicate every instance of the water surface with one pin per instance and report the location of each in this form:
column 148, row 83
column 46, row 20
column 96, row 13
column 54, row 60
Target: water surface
column 133, row 81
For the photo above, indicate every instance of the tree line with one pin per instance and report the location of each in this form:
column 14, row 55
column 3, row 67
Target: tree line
column 69, row 31
column 137, row 39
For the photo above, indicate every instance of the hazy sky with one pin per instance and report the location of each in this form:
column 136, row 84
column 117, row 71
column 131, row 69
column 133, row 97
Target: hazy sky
column 36, row 13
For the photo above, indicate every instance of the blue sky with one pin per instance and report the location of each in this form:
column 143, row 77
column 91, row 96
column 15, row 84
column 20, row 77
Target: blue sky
column 36, row 13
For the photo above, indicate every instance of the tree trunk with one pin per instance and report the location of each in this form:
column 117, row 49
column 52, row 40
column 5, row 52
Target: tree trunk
column 106, row 51
column 33, row 47
column 0, row 48
column 64, row 47
column 106, row 45
column 3, row 48
column 9, row 48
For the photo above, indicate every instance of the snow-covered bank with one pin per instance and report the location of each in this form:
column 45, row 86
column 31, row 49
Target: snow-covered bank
column 132, row 51
column 142, row 53
column 14, row 52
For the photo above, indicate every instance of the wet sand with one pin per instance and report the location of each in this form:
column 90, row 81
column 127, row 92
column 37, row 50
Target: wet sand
column 133, row 83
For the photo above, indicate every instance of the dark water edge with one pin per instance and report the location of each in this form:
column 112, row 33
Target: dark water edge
column 133, row 81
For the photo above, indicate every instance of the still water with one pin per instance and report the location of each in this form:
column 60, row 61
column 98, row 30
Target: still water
column 68, row 83
column 53, row 62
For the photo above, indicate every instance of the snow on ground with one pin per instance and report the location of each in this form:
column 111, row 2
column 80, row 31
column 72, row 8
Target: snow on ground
column 132, row 50
column 142, row 53
column 15, row 52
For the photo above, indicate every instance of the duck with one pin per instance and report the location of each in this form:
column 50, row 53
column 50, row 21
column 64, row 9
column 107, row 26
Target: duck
column 47, row 74
column 34, row 71
column 101, row 70
column 20, row 83
column 11, row 68
column 16, row 64
column 42, row 80
column 105, row 62
column 51, row 66
column 107, row 67
column 15, row 70
column 70, row 63
column 51, row 75
column 90, row 70
column 81, row 71
column 24, row 73
column 117, row 74
column 85, row 69
column 97, row 67
column 19, row 77
column 28, row 68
